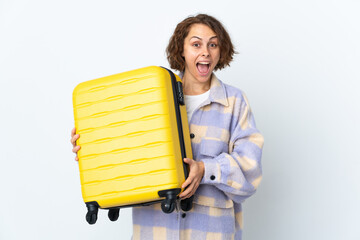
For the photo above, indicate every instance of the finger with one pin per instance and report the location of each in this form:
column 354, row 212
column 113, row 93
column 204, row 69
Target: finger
column 192, row 188
column 73, row 132
column 74, row 139
column 188, row 192
column 76, row 158
column 76, row 149
column 186, row 185
column 187, row 182
column 185, row 193
column 188, row 161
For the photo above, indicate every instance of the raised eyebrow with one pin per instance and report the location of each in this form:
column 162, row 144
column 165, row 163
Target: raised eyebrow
column 196, row 37
column 201, row 38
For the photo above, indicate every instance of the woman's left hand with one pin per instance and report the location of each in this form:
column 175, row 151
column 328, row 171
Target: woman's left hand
column 196, row 173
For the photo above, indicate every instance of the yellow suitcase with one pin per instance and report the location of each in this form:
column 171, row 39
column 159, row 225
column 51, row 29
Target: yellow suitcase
column 133, row 135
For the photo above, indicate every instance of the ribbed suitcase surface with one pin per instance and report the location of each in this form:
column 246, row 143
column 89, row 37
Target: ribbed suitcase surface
column 129, row 137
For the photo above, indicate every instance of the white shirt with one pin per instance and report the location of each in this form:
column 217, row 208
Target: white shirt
column 192, row 102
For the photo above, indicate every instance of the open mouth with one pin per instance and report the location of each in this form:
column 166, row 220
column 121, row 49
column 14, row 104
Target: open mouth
column 203, row 67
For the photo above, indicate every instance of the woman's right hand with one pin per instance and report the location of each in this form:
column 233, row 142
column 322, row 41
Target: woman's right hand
column 73, row 139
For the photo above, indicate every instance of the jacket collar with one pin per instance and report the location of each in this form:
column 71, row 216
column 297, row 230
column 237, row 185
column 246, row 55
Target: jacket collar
column 217, row 91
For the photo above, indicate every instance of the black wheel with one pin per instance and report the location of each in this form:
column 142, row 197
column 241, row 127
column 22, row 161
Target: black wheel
column 167, row 206
column 186, row 204
column 91, row 215
column 113, row 214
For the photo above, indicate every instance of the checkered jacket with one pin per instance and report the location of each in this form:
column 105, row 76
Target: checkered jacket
column 228, row 143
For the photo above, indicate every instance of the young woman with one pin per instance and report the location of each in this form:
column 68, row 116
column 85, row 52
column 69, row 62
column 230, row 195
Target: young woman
column 227, row 147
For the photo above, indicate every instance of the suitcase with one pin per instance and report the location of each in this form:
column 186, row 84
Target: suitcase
column 134, row 136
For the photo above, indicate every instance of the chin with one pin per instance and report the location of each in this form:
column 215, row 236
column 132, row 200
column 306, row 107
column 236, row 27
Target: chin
column 204, row 78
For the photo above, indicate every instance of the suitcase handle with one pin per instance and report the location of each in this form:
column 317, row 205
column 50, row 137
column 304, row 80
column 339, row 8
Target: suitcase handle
column 180, row 94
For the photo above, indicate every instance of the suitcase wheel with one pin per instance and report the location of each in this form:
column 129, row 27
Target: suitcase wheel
column 91, row 215
column 168, row 205
column 113, row 214
column 186, row 204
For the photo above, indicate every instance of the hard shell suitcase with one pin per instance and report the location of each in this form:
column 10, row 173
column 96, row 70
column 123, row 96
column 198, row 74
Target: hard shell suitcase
column 133, row 135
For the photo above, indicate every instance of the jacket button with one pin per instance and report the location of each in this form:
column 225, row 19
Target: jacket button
column 212, row 177
column 192, row 135
column 183, row 215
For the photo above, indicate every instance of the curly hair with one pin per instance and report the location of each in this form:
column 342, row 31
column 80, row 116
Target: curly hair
column 175, row 47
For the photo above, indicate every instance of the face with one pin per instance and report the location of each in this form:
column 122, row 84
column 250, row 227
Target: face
column 201, row 53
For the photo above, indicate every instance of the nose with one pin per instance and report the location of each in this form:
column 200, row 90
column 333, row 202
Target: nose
column 205, row 52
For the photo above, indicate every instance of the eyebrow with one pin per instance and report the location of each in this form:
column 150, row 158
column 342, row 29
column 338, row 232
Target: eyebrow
column 201, row 38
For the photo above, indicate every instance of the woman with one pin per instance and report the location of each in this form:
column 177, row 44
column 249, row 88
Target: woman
column 227, row 147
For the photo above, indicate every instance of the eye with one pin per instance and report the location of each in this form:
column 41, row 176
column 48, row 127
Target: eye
column 196, row 45
column 213, row 45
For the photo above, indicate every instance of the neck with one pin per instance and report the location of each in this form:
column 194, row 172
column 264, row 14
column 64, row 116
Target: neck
column 194, row 87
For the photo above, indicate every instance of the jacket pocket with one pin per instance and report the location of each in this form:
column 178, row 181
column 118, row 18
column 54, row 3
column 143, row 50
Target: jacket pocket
column 215, row 142
column 212, row 147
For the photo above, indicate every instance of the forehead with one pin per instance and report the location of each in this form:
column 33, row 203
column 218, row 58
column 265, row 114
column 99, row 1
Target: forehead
column 200, row 30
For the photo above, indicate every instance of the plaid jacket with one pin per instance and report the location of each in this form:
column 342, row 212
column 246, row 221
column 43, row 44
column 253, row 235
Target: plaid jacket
column 227, row 141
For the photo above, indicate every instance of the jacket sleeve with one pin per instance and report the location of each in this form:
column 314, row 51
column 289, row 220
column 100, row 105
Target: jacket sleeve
column 238, row 173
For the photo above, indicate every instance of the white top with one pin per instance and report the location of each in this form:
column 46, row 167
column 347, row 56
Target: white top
column 192, row 102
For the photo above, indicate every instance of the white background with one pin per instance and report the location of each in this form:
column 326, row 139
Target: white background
column 298, row 63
